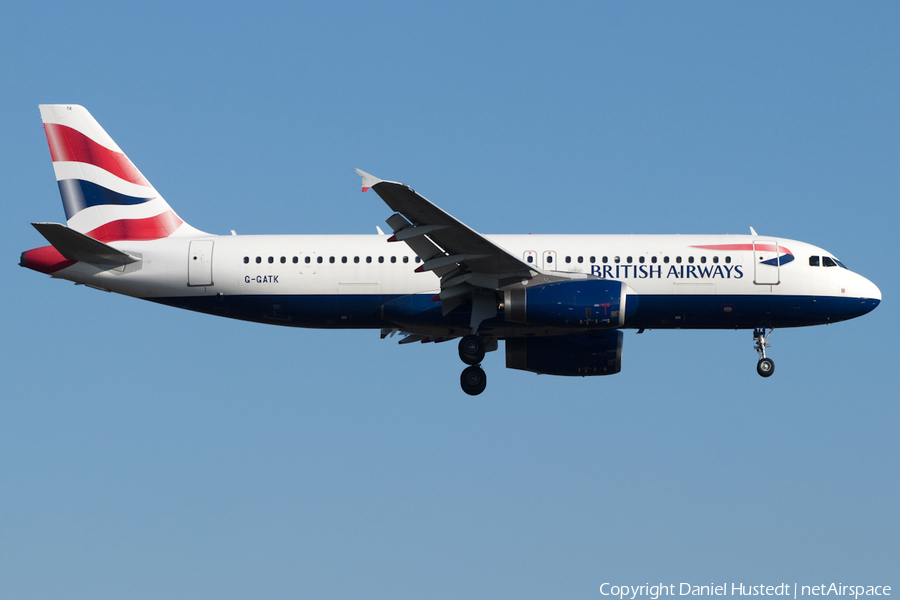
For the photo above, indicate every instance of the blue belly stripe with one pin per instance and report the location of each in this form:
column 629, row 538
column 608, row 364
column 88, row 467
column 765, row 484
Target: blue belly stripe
column 653, row 312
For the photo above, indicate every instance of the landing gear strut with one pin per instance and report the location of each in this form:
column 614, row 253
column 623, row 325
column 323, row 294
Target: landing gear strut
column 766, row 366
column 471, row 351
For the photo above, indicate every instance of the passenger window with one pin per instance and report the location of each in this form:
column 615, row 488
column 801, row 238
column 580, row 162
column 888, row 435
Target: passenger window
column 271, row 259
column 716, row 259
column 703, row 259
column 344, row 259
column 814, row 261
column 568, row 259
column 593, row 259
column 356, row 259
column 529, row 259
column 258, row 259
column 691, row 259
column 319, row 259
column 653, row 259
column 296, row 260
column 307, row 259
column 331, row 259
column 283, row 260
column 641, row 259
column 617, row 260
column 381, row 259
column 605, row 259
column 666, row 259
column 580, row 259
column 629, row 260
column 406, row 259
column 246, row 260
column 418, row 260
column 827, row 261
column 678, row 259
column 549, row 259
column 727, row 259
column 393, row 259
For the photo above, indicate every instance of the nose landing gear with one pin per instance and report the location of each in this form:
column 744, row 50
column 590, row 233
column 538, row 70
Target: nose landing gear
column 766, row 366
column 471, row 351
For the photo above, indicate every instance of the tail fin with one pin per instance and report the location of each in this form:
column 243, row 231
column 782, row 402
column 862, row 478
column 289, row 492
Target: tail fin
column 103, row 193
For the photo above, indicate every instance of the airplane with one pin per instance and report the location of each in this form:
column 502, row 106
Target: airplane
column 559, row 302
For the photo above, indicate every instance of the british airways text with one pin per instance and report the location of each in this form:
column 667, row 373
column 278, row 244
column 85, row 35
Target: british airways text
column 674, row 271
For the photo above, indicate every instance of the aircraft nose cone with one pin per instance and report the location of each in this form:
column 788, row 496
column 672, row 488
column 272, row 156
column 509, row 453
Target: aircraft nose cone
column 870, row 294
column 870, row 290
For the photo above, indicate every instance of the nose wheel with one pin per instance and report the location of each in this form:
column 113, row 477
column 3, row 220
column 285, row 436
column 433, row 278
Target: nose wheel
column 766, row 366
column 471, row 351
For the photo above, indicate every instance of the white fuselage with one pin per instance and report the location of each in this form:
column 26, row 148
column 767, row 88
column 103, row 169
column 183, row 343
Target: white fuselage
column 336, row 268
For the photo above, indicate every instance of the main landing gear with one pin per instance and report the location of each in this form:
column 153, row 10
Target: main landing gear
column 766, row 366
column 471, row 351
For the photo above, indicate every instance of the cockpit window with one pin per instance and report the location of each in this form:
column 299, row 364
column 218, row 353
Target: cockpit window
column 827, row 261
column 814, row 261
column 840, row 264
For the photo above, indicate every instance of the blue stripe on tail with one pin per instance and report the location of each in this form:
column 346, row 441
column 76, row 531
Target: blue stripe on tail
column 78, row 194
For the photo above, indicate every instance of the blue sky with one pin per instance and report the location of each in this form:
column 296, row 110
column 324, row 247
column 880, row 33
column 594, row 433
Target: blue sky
column 147, row 452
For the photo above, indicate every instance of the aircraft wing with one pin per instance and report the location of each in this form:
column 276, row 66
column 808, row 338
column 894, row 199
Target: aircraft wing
column 471, row 267
column 445, row 244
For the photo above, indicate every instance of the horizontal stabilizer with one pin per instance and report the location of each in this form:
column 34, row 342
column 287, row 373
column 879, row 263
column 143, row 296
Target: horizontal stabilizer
column 76, row 246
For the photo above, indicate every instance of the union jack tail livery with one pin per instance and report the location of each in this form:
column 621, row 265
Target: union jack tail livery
column 104, row 195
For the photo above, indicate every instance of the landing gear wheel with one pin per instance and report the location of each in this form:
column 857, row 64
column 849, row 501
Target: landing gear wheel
column 473, row 380
column 765, row 367
column 471, row 349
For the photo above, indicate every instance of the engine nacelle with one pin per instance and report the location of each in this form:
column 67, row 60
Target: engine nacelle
column 594, row 303
column 585, row 354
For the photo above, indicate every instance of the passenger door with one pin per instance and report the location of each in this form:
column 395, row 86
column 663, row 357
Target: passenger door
column 766, row 268
column 200, row 263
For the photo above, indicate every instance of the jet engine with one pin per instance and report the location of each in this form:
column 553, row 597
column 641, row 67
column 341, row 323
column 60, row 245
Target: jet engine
column 592, row 303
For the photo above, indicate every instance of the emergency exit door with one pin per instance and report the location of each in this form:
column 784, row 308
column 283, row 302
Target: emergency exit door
column 549, row 257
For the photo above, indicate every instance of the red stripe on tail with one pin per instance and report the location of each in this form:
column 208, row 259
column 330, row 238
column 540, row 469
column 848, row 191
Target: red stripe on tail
column 67, row 144
column 151, row 228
